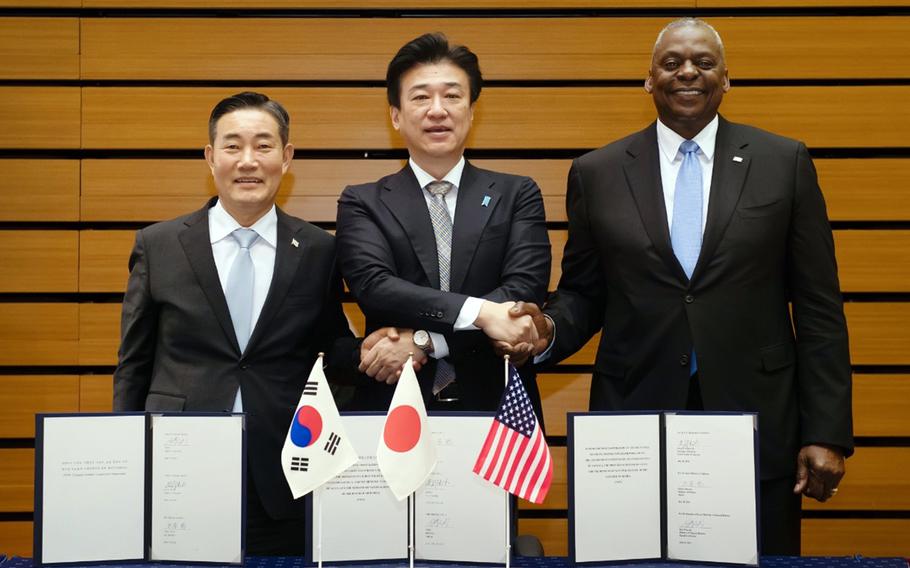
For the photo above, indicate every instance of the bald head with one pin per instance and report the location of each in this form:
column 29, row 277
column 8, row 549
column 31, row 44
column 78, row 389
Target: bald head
column 694, row 22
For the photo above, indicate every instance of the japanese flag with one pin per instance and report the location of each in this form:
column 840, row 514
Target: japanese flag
column 407, row 452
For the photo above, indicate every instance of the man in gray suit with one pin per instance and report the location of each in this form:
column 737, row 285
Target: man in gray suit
column 226, row 309
column 701, row 250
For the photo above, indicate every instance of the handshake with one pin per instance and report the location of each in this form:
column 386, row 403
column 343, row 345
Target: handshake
column 517, row 329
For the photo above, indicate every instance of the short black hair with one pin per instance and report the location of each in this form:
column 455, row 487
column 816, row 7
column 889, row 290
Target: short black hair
column 427, row 49
column 249, row 99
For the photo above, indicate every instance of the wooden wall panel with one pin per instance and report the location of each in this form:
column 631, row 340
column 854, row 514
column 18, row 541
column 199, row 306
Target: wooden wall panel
column 99, row 334
column 104, row 260
column 868, row 261
column 562, row 393
column 17, row 485
column 506, row 117
column 388, row 4
column 879, row 402
column 880, row 405
column 39, row 261
column 879, row 333
column 39, row 190
column 16, row 538
column 876, row 480
column 865, row 189
column 508, row 48
column 153, row 190
column 24, row 395
column 873, row 261
column 39, row 48
column 39, row 334
column 40, row 117
column 846, row 537
column 96, row 393
column 40, row 3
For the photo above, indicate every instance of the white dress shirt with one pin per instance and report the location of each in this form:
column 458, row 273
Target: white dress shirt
column 225, row 249
column 671, row 160
column 471, row 308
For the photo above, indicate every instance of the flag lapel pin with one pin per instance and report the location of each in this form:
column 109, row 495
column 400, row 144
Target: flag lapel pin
column 737, row 159
column 294, row 243
column 486, row 201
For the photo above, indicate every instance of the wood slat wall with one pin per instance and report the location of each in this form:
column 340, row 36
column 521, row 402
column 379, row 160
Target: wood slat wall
column 101, row 111
column 505, row 117
column 869, row 261
column 561, row 48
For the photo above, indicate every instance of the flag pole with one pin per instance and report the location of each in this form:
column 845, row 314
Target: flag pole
column 319, row 525
column 506, row 493
column 411, row 530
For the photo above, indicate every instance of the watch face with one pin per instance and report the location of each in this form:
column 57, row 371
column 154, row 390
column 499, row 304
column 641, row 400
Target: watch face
column 421, row 338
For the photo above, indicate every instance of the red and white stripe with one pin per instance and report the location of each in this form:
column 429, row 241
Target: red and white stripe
column 520, row 465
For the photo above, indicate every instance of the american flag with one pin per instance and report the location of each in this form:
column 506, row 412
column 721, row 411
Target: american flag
column 515, row 455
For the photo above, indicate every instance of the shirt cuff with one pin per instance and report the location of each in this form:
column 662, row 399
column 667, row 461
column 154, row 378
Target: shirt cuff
column 546, row 354
column 440, row 345
column 468, row 314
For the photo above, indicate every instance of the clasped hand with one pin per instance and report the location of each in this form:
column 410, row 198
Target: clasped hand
column 517, row 329
column 384, row 352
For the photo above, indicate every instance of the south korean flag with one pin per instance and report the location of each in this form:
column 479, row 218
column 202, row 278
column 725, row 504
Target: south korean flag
column 317, row 447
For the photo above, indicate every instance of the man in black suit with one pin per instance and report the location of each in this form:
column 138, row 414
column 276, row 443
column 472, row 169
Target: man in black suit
column 443, row 247
column 694, row 298
column 200, row 334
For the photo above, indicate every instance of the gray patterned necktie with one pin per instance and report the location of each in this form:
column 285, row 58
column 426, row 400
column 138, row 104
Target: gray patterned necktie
column 442, row 228
column 239, row 289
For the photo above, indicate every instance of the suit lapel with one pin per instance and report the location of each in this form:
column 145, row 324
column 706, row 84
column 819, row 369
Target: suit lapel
column 197, row 246
column 287, row 260
column 642, row 169
column 477, row 198
column 731, row 164
column 404, row 198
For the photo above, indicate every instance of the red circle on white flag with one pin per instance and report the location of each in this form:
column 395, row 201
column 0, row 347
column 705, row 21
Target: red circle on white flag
column 402, row 429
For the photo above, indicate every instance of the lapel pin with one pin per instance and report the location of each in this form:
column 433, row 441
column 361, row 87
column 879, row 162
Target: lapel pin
column 294, row 243
column 486, row 201
column 737, row 159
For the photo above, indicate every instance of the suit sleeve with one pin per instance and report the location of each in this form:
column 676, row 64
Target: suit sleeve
column 138, row 334
column 365, row 257
column 823, row 357
column 577, row 305
column 525, row 269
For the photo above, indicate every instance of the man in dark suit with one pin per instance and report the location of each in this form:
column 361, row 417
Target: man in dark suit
column 443, row 247
column 226, row 309
column 689, row 259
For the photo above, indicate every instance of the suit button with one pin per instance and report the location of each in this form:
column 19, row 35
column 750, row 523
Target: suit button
column 439, row 314
column 684, row 359
column 690, row 298
column 244, row 366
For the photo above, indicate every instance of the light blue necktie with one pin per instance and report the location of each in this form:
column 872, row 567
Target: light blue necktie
column 442, row 229
column 239, row 288
column 685, row 232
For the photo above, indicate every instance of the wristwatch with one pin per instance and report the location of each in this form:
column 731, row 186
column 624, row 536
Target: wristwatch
column 422, row 340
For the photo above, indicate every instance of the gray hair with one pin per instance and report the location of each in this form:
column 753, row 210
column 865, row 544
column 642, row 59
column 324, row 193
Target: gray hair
column 682, row 22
